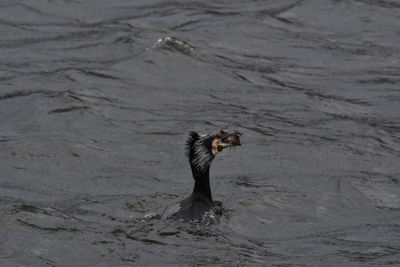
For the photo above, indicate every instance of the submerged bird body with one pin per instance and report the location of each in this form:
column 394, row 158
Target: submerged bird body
column 201, row 150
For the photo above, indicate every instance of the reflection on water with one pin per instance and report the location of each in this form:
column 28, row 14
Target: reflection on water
column 97, row 99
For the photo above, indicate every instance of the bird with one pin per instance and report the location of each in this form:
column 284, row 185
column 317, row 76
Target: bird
column 201, row 151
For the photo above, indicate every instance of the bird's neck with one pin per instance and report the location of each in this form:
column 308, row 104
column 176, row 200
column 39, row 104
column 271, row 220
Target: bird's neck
column 202, row 183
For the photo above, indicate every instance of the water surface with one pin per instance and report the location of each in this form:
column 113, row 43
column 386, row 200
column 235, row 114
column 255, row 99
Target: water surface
column 97, row 98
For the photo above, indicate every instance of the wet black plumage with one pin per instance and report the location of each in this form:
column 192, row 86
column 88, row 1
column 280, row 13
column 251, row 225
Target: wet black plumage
column 201, row 150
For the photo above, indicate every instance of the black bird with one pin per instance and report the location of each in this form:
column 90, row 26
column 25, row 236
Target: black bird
column 201, row 150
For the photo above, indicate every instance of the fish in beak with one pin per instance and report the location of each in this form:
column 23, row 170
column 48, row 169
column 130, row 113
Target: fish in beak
column 225, row 139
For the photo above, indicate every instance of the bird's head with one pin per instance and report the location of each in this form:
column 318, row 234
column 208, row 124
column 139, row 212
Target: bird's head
column 202, row 149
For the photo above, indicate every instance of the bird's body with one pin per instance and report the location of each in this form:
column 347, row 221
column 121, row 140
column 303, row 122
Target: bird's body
column 201, row 150
column 193, row 208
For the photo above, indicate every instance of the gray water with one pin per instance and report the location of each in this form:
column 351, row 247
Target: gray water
column 97, row 98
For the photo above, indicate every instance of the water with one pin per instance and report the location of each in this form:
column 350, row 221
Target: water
column 97, row 98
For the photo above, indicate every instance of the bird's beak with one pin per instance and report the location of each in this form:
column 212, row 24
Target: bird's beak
column 229, row 140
